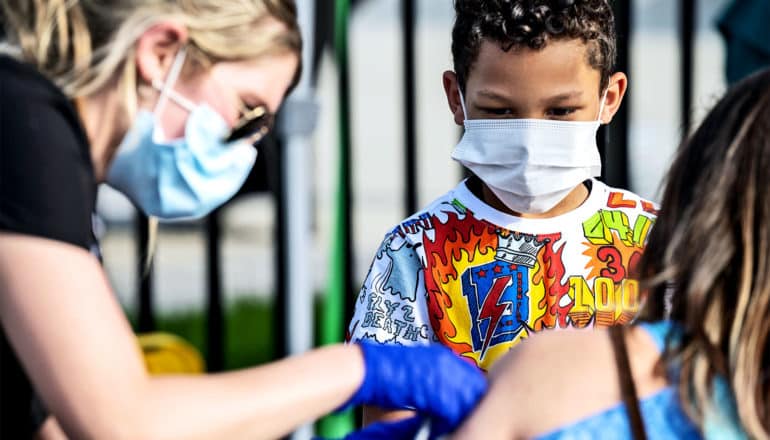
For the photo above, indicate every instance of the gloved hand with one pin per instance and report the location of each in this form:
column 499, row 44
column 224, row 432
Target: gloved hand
column 429, row 379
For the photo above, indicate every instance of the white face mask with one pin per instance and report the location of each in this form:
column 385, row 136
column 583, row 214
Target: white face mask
column 530, row 164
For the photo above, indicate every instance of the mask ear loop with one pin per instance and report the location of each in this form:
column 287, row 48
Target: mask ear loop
column 174, row 96
column 601, row 106
column 165, row 88
column 462, row 103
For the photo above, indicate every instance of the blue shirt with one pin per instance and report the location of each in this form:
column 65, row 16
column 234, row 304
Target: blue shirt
column 663, row 415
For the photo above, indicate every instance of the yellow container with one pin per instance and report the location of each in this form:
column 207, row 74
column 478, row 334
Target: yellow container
column 165, row 353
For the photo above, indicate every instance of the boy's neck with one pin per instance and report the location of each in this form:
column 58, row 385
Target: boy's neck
column 572, row 201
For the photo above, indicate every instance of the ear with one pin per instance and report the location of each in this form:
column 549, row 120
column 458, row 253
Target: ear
column 616, row 90
column 452, row 90
column 156, row 49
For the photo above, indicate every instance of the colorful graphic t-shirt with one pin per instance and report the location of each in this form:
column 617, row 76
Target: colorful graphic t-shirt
column 479, row 281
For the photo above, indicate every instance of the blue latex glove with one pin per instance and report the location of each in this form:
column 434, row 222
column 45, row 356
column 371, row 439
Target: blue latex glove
column 429, row 379
column 403, row 429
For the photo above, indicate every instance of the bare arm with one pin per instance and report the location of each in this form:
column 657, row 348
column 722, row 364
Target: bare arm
column 80, row 353
column 563, row 377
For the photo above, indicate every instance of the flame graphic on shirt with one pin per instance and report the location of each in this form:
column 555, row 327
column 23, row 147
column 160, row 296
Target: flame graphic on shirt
column 549, row 289
column 458, row 245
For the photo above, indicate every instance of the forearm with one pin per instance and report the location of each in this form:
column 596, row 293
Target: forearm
column 259, row 403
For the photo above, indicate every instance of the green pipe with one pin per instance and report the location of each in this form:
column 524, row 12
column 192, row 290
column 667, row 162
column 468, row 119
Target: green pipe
column 334, row 312
column 334, row 317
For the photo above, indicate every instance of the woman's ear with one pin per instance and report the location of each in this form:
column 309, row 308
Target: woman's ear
column 156, row 49
column 616, row 90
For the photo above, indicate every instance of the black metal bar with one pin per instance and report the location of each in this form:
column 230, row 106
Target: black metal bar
column 615, row 138
column 214, row 314
column 687, row 17
column 146, row 318
column 343, row 84
column 408, row 19
column 275, row 156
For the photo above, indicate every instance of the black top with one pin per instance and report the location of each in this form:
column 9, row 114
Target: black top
column 47, row 189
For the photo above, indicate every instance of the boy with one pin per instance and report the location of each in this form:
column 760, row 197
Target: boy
column 532, row 241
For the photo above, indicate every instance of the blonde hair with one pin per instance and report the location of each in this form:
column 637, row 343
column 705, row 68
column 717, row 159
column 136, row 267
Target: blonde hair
column 708, row 258
column 84, row 45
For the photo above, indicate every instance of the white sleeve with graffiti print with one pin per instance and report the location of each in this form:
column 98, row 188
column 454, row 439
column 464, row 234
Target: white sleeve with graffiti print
column 391, row 307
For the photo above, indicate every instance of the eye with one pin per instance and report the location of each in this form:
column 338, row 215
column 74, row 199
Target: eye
column 496, row 111
column 560, row 112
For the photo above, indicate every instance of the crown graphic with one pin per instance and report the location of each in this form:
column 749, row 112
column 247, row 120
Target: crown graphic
column 519, row 249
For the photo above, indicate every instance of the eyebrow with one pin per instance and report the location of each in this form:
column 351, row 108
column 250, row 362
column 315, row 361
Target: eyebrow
column 575, row 94
column 495, row 96
column 490, row 94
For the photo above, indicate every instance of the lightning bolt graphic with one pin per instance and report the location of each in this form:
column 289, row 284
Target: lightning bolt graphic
column 492, row 309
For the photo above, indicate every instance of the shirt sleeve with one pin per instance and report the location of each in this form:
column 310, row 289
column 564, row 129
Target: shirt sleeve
column 391, row 307
column 47, row 186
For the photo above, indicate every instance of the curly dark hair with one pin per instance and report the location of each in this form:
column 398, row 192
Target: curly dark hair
column 533, row 23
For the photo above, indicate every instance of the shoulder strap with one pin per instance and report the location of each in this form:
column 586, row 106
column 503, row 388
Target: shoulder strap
column 627, row 387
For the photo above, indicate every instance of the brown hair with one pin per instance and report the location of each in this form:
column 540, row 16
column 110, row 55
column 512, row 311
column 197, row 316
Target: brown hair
column 708, row 257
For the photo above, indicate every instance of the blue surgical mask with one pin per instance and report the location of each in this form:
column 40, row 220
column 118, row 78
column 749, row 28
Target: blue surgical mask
column 183, row 178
